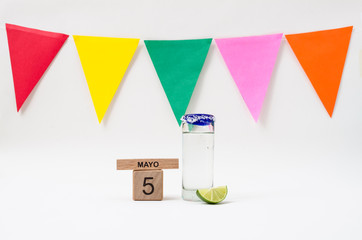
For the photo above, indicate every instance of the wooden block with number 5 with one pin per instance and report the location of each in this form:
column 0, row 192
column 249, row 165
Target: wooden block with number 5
column 148, row 185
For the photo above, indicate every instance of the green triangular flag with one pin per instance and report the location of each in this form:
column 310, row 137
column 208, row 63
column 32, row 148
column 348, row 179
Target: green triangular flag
column 178, row 64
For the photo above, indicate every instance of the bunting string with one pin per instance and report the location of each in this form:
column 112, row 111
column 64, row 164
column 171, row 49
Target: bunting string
column 178, row 63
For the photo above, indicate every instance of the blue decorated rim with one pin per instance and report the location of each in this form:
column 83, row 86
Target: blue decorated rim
column 198, row 119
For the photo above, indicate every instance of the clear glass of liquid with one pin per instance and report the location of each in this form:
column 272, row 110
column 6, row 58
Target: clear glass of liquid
column 197, row 154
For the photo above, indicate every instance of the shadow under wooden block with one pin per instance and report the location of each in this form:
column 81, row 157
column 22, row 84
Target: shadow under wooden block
column 148, row 185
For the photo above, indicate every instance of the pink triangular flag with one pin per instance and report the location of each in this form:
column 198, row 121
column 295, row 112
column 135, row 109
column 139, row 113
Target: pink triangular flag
column 250, row 61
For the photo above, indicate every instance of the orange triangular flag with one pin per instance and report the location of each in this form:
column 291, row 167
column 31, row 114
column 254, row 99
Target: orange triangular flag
column 322, row 55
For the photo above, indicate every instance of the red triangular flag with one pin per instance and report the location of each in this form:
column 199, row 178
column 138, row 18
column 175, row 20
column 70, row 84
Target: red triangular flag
column 31, row 52
column 322, row 55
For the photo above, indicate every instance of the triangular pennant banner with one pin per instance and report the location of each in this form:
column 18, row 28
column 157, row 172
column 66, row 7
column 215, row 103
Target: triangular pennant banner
column 178, row 64
column 250, row 61
column 31, row 52
column 104, row 61
column 322, row 55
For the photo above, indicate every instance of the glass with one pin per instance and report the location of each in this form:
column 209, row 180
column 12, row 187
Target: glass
column 197, row 154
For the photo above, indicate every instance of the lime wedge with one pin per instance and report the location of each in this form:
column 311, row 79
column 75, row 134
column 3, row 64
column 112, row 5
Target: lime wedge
column 212, row 195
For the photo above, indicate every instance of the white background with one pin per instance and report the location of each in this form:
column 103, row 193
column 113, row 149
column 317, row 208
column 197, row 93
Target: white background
column 296, row 174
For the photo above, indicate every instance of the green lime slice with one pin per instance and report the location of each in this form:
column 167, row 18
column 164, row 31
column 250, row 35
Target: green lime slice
column 212, row 195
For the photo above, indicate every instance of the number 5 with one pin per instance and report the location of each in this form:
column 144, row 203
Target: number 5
column 149, row 184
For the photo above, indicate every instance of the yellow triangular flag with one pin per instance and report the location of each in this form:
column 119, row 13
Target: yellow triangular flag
column 104, row 61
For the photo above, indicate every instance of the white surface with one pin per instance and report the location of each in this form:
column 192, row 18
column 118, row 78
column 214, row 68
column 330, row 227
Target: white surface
column 294, row 175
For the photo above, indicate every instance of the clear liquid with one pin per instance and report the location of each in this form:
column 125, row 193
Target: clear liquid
column 197, row 163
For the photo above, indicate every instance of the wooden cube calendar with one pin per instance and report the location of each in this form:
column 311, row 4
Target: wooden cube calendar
column 147, row 176
column 148, row 185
